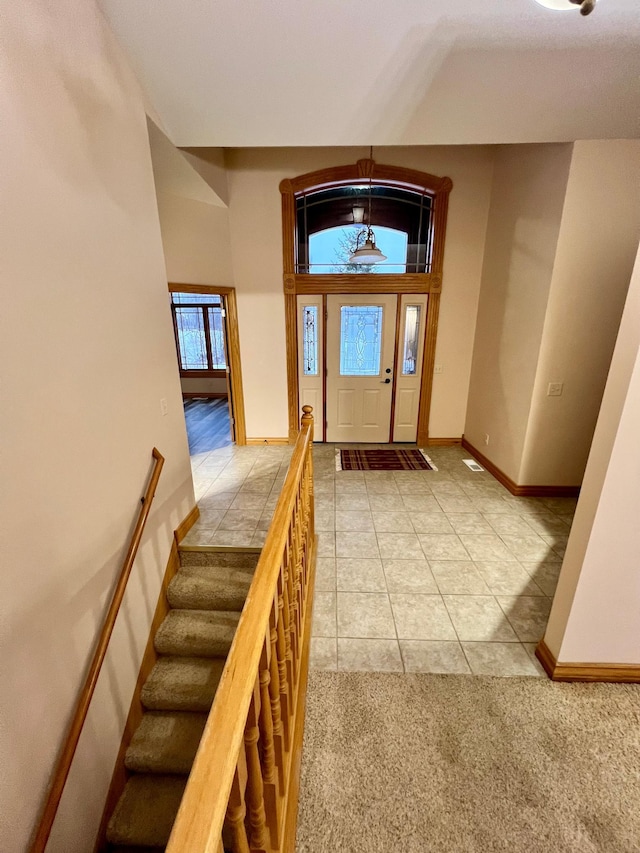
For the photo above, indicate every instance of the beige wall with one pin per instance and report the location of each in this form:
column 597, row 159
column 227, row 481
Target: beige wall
column 594, row 259
column 256, row 244
column 88, row 353
column 524, row 220
column 195, row 238
column 594, row 618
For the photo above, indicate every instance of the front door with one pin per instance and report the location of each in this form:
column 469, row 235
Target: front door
column 360, row 360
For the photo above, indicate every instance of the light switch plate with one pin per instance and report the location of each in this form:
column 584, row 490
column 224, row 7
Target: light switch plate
column 554, row 389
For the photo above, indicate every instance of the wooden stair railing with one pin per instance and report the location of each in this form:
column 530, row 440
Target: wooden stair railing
column 243, row 789
column 63, row 766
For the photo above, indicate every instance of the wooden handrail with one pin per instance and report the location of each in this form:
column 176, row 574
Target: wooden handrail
column 63, row 765
column 241, row 709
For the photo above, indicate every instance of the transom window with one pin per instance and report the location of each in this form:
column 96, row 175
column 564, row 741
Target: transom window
column 326, row 232
column 198, row 323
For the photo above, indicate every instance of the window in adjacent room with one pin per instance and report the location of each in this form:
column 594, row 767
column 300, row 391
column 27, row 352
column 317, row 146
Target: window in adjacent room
column 198, row 323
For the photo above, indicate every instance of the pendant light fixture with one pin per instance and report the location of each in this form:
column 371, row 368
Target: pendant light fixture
column 366, row 251
column 585, row 6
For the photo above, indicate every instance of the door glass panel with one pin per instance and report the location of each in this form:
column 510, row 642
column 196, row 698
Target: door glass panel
column 310, row 340
column 360, row 340
column 410, row 349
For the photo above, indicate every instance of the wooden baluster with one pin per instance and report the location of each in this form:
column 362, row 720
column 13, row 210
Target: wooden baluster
column 307, row 419
column 258, row 836
column 304, row 515
column 268, row 749
column 300, row 562
column 235, row 833
column 287, row 590
column 295, row 568
column 274, row 696
column 283, row 672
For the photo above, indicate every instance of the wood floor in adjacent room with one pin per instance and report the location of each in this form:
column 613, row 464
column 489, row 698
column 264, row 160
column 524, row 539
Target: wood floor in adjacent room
column 208, row 424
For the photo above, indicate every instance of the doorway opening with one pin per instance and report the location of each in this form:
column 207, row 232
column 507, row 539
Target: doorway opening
column 207, row 347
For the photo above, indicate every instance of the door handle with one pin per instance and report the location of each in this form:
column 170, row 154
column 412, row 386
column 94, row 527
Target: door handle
column 385, row 381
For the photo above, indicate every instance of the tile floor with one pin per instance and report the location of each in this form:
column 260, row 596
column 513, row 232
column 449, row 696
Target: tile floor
column 420, row 571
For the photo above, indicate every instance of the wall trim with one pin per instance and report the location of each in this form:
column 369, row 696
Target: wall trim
column 445, row 442
column 618, row 673
column 268, row 441
column 186, row 524
column 513, row 487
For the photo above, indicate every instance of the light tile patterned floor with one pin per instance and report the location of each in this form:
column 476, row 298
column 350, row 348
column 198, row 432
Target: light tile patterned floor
column 420, row 571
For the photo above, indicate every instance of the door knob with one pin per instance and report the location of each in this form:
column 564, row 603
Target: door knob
column 385, row 381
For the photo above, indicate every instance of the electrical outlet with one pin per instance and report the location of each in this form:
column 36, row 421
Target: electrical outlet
column 554, row 389
column 163, row 406
column 437, row 368
column 486, row 439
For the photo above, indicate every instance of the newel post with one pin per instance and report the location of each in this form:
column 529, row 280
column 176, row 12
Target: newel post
column 307, row 418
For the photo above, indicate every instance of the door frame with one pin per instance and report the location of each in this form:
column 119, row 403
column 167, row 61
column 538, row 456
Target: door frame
column 234, row 377
column 295, row 284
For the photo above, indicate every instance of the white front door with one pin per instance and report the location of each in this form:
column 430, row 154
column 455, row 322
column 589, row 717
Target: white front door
column 360, row 355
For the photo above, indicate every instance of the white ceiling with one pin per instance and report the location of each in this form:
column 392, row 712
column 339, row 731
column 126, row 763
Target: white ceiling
column 382, row 72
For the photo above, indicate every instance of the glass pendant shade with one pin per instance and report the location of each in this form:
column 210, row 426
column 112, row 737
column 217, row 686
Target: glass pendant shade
column 368, row 253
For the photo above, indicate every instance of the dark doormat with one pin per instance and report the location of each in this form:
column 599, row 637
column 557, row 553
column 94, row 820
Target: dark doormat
column 392, row 459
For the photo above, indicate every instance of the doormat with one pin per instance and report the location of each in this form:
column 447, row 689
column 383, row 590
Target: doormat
column 393, row 459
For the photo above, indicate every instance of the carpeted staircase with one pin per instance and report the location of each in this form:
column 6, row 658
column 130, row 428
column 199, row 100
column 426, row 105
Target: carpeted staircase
column 206, row 596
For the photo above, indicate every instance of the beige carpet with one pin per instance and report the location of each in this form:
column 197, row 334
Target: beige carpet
column 460, row 764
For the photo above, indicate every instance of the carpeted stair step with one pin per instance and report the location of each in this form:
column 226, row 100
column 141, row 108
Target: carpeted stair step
column 209, row 588
column 165, row 742
column 197, row 633
column 205, row 556
column 146, row 811
column 182, row 684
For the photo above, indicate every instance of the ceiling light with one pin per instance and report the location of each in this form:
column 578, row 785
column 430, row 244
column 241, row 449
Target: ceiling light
column 368, row 253
column 585, row 6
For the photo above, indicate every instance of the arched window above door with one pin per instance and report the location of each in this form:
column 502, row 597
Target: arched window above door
column 328, row 222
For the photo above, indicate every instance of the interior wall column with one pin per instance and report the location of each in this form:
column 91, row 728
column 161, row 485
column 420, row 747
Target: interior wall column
column 594, row 631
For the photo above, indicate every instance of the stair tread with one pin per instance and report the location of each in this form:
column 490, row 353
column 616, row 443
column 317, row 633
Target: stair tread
column 165, row 742
column 197, row 633
column 209, row 588
column 203, row 556
column 182, row 684
column 146, row 811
